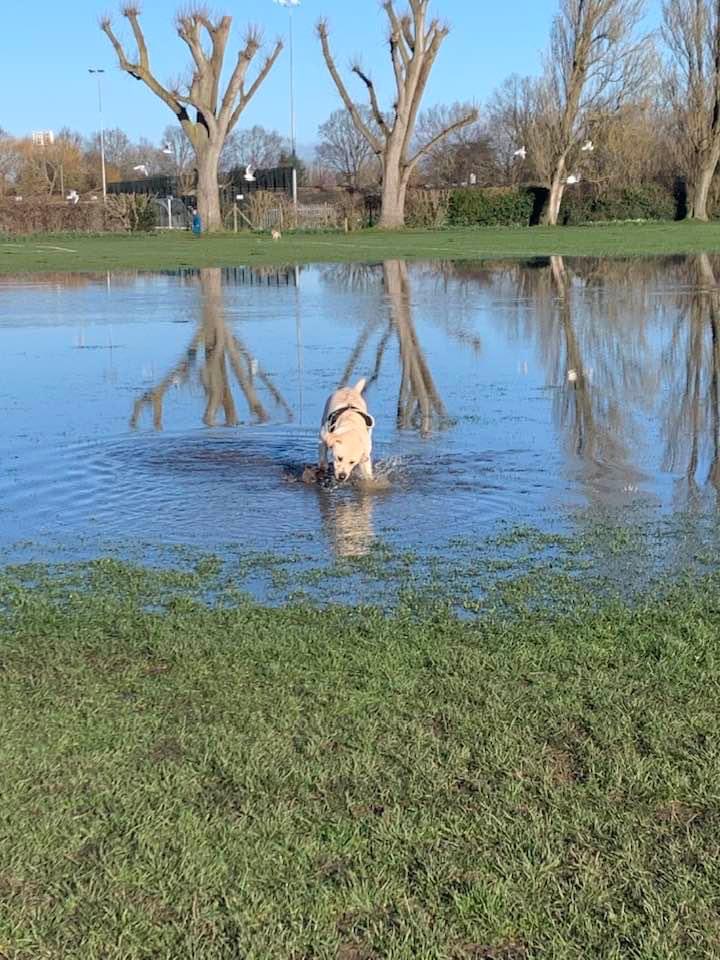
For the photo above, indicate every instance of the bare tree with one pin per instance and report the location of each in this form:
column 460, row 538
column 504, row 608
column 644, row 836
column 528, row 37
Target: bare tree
column 176, row 158
column 594, row 63
column 509, row 115
column 344, row 149
column 10, row 160
column 215, row 115
column 119, row 151
column 255, row 146
column 463, row 154
column 691, row 31
column 414, row 44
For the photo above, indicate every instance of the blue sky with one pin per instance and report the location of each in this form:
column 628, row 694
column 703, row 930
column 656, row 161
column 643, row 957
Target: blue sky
column 47, row 65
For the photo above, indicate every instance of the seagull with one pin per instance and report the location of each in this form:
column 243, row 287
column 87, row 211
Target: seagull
column 587, row 147
column 73, row 196
column 141, row 168
column 249, row 173
column 522, row 153
column 573, row 178
column 167, row 149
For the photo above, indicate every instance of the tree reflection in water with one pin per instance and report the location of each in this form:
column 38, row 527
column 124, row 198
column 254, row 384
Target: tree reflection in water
column 216, row 357
column 419, row 404
column 691, row 367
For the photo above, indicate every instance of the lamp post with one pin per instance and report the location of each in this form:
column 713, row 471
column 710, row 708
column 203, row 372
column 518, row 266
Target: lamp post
column 98, row 72
column 290, row 4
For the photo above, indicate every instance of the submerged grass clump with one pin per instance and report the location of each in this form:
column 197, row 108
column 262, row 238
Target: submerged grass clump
column 188, row 780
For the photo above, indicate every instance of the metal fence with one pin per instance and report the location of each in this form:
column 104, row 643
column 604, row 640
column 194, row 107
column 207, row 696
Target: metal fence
column 172, row 213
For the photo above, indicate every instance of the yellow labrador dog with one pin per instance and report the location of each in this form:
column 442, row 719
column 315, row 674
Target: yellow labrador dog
column 346, row 431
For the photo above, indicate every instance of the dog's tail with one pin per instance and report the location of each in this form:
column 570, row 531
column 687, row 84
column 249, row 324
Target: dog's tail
column 360, row 385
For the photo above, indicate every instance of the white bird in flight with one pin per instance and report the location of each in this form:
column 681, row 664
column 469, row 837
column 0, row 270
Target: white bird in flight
column 587, row 147
column 249, row 173
column 141, row 168
column 522, row 153
column 573, row 178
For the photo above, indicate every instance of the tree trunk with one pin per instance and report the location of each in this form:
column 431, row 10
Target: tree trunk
column 552, row 210
column 208, row 195
column 698, row 194
column 392, row 211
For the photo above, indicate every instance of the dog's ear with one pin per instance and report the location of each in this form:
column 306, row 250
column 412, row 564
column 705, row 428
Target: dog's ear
column 327, row 438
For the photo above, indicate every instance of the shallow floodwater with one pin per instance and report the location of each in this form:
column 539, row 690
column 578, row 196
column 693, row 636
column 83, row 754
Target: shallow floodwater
column 141, row 411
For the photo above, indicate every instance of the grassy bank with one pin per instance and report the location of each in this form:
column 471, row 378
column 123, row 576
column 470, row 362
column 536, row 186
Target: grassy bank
column 174, row 250
column 180, row 781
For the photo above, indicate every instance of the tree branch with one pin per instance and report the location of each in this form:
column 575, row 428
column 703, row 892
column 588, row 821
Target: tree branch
column 457, row 125
column 374, row 141
column 245, row 98
column 141, row 71
column 397, row 36
column 377, row 113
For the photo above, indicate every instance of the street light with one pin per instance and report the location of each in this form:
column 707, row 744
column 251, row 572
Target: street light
column 290, row 4
column 98, row 72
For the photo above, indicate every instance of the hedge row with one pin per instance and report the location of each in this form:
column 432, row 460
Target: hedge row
column 510, row 206
column 491, row 206
column 647, row 202
column 123, row 213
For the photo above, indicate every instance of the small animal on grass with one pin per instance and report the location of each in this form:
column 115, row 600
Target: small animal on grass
column 346, row 433
column 275, row 234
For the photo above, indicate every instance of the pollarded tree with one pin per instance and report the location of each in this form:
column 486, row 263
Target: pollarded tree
column 691, row 31
column 414, row 44
column 594, row 64
column 215, row 115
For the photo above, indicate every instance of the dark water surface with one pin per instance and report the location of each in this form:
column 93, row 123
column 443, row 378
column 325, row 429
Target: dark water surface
column 152, row 410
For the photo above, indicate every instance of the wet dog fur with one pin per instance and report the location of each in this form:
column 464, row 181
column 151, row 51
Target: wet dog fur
column 346, row 434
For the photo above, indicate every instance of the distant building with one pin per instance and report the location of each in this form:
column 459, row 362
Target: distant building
column 43, row 138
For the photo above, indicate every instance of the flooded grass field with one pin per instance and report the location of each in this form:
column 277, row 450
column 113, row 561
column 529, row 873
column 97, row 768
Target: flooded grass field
column 498, row 759
column 527, row 413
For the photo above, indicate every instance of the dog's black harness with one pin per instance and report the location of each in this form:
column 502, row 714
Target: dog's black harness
column 336, row 414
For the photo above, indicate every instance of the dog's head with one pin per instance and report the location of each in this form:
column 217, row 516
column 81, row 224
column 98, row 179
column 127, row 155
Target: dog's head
column 350, row 445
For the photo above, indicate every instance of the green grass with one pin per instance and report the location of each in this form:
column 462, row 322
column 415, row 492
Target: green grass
column 187, row 782
column 170, row 251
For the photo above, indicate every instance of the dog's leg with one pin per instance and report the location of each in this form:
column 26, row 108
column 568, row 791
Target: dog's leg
column 365, row 470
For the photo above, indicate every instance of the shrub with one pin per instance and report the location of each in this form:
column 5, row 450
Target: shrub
column 130, row 212
column 266, row 210
column 644, row 202
column 427, row 208
column 491, row 206
column 42, row 215
column 351, row 207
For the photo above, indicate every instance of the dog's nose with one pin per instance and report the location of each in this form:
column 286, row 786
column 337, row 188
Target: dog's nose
column 342, row 476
